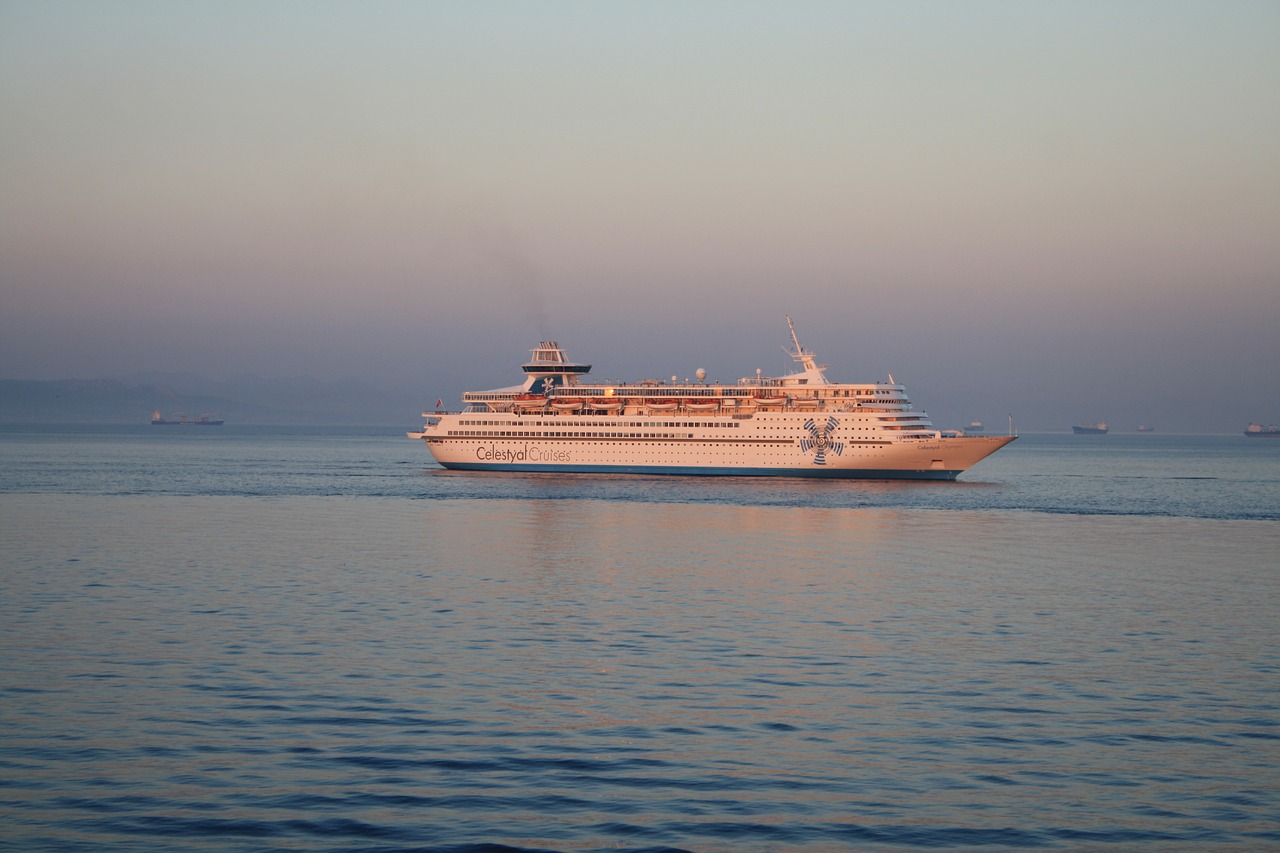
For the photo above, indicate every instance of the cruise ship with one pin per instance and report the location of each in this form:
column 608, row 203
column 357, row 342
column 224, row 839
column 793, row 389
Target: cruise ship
column 797, row 425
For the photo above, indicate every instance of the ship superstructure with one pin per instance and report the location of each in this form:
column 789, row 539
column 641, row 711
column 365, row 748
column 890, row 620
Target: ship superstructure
column 800, row 424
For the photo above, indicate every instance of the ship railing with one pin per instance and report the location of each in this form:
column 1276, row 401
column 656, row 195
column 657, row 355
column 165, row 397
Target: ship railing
column 637, row 390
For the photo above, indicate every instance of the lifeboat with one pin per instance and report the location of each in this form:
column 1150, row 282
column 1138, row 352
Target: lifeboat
column 702, row 405
column 529, row 401
column 661, row 405
column 567, row 405
column 606, row 404
column 805, row 402
column 770, row 399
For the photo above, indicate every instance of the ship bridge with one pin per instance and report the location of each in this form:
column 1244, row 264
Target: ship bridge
column 548, row 366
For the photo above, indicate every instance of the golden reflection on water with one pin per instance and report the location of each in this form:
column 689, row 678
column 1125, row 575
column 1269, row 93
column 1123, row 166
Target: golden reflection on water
column 721, row 606
column 803, row 614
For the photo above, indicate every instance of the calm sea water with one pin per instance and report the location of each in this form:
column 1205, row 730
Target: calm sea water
column 270, row 639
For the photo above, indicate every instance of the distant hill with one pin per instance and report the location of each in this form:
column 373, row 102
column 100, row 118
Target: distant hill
column 243, row 400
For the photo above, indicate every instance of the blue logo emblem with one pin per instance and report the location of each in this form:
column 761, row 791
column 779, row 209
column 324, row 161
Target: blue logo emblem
column 820, row 440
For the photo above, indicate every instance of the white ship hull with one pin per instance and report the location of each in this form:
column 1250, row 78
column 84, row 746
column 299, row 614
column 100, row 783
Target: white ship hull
column 799, row 425
column 761, row 445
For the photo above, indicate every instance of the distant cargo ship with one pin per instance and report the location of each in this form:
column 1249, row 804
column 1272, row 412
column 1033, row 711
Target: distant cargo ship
column 1146, row 428
column 158, row 419
column 1260, row 431
column 1099, row 428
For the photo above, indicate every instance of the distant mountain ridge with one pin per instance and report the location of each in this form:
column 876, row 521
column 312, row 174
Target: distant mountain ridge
column 241, row 400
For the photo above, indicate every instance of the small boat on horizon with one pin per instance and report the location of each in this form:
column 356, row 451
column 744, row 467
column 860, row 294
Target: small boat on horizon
column 1099, row 428
column 179, row 419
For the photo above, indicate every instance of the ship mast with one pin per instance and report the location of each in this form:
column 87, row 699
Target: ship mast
column 806, row 358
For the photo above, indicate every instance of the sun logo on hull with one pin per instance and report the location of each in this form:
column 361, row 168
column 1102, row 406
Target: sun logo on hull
column 820, row 440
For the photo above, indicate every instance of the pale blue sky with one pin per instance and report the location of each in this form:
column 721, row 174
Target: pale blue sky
column 1066, row 210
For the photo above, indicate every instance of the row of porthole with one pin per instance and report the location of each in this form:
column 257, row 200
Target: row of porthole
column 723, row 448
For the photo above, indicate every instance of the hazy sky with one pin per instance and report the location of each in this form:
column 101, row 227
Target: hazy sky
column 1068, row 211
